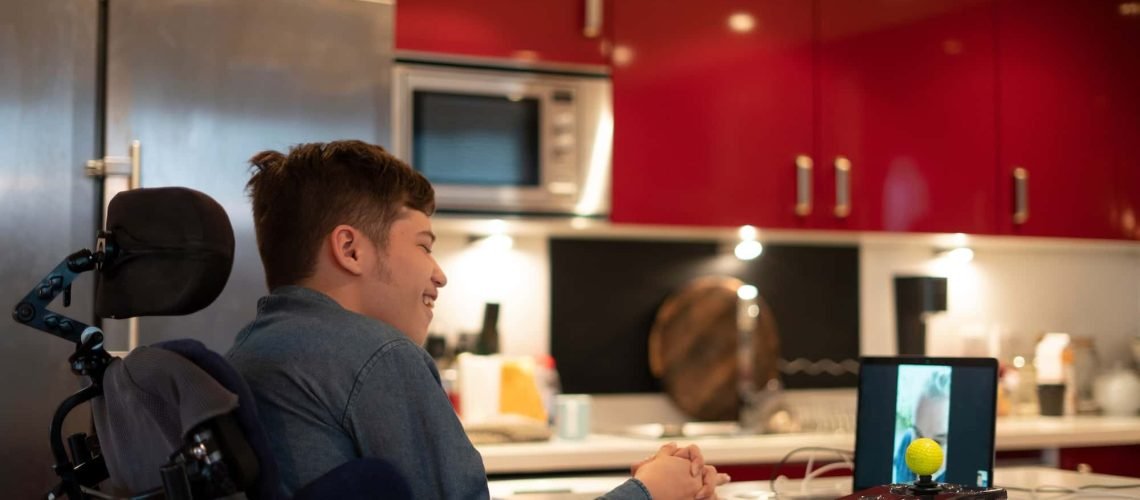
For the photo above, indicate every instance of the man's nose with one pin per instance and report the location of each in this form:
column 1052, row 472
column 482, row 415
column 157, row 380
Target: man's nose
column 438, row 278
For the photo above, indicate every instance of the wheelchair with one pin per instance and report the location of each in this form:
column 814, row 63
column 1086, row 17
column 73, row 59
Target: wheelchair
column 173, row 420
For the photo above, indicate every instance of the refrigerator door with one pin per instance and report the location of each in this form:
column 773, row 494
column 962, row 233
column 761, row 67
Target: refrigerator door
column 205, row 85
column 49, row 208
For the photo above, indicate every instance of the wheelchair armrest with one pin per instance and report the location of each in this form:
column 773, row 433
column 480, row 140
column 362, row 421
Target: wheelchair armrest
column 215, row 461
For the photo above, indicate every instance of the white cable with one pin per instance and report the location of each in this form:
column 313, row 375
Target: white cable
column 780, row 480
column 776, row 485
column 810, row 474
column 826, row 468
column 1051, row 492
column 1097, row 494
column 807, row 472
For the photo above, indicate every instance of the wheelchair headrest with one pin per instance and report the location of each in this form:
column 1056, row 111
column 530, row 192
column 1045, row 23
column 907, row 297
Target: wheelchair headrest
column 175, row 251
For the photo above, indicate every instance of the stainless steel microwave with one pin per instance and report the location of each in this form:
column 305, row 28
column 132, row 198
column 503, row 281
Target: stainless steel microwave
column 503, row 140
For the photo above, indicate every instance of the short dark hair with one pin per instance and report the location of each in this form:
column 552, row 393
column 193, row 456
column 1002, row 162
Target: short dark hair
column 298, row 199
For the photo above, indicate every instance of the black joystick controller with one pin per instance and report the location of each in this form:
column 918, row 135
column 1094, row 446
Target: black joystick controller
column 924, row 458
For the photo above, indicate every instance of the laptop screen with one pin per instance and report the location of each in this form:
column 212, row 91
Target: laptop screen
column 949, row 400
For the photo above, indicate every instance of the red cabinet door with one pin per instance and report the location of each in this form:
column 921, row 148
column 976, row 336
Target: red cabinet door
column 1057, row 71
column 712, row 104
column 1127, row 116
column 547, row 30
column 906, row 94
column 1115, row 460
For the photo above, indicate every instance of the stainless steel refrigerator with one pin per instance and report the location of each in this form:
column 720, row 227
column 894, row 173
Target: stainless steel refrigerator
column 199, row 86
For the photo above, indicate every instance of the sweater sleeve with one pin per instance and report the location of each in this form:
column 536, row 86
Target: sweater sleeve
column 632, row 489
column 397, row 411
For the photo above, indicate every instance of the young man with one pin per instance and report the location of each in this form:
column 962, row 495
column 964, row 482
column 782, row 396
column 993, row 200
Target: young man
column 334, row 356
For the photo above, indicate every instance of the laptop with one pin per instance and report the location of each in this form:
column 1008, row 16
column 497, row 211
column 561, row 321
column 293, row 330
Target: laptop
column 949, row 400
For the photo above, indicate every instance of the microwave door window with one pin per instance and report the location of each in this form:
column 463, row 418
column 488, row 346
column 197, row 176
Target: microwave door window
column 476, row 140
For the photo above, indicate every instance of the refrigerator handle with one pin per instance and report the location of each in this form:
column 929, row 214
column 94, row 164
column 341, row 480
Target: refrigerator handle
column 135, row 179
column 129, row 166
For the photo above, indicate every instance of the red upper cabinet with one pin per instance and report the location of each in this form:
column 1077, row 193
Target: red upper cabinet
column 914, row 115
column 1060, row 112
column 906, row 95
column 546, row 31
column 715, row 101
column 1126, row 125
column 712, row 105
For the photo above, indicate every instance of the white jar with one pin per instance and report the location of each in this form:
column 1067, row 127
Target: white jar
column 1118, row 392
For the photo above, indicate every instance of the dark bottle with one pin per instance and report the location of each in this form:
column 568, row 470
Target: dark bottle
column 467, row 342
column 436, row 346
column 489, row 336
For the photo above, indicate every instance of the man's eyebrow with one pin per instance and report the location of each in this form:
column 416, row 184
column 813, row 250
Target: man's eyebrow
column 429, row 234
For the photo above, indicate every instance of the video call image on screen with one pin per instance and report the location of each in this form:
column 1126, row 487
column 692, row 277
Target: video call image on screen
column 922, row 410
column 899, row 403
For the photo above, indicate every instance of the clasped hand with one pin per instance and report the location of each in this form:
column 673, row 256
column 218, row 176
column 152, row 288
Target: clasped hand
column 678, row 473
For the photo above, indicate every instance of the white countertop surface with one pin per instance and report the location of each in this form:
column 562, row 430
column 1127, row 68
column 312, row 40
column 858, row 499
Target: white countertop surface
column 1020, row 483
column 599, row 452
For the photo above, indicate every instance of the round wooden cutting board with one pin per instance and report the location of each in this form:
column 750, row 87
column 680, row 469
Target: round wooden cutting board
column 692, row 347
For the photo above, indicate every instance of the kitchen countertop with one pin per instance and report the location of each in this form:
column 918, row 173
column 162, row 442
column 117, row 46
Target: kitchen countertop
column 612, row 452
column 1019, row 481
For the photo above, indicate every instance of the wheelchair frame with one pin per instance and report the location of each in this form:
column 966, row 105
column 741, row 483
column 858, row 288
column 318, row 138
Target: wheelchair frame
column 197, row 469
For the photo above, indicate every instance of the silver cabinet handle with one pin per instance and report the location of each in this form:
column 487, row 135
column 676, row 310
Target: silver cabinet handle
column 842, row 187
column 593, row 26
column 1020, row 195
column 803, row 185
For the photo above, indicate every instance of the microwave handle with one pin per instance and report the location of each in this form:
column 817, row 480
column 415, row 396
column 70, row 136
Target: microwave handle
column 593, row 25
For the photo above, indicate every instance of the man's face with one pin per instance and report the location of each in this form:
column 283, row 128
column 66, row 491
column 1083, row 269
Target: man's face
column 932, row 420
column 406, row 279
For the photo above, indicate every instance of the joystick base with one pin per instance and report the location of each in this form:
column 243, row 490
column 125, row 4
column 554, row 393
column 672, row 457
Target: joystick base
column 939, row 491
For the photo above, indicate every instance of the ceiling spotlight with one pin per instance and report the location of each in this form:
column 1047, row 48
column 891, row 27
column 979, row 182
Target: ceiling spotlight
column 960, row 255
column 748, row 249
column 496, row 242
column 746, row 232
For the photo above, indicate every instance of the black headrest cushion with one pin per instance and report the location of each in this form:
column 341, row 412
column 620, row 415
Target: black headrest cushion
column 176, row 249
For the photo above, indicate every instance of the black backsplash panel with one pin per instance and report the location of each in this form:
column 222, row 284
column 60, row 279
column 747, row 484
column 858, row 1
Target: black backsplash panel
column 605, row 295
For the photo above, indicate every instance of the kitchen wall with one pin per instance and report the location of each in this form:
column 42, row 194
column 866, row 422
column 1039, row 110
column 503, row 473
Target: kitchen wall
column 479, row 272
column 1013, row 290
column 1008, row 295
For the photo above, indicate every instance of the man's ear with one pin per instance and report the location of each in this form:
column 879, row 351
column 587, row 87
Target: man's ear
column 348, row 247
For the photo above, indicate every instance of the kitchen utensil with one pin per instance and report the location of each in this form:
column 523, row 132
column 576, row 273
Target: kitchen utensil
column 693, row 347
